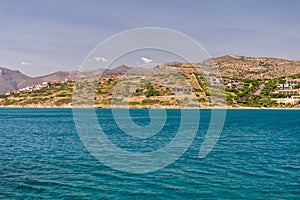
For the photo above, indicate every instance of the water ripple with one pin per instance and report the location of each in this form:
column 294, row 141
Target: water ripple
column 256, row 157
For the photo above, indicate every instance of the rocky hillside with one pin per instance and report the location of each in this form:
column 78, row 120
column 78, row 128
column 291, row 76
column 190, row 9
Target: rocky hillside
column 243, row 67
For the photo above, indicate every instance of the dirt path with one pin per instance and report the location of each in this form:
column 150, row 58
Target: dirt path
column 260, row 87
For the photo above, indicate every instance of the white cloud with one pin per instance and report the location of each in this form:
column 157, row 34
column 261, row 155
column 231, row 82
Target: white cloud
column 98, row 59
column 146, row 60
column 25, row 63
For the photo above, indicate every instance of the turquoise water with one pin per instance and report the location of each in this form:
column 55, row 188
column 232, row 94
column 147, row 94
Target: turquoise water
column 256, row 157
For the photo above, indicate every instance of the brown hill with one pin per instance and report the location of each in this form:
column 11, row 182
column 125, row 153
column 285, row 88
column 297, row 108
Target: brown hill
column 59, row 76
column 11, row 80
column 120, row 70
column 243, row 67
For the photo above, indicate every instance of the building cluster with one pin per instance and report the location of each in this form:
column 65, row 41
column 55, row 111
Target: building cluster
column 220, row 82
column 229, row 83
column 35, row 87
column 291, row 100
column 29, row 88
column 291, row 89
column 186, row 89
column 215, row 81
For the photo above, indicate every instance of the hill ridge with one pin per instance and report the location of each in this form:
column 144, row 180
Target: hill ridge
column 230, row 66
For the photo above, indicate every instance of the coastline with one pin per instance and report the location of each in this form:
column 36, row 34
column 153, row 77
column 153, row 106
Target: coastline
column 149, row 107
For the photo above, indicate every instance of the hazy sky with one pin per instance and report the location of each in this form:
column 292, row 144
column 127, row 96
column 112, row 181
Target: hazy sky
column 40, row 37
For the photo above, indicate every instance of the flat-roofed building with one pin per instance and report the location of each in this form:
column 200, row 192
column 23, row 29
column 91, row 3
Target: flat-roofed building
column 293, row 100
column 293, row 82
column 288, row 92
column 284, row 86
column 182, row 89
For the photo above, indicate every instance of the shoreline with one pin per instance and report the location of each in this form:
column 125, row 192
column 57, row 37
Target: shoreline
column 143, row 108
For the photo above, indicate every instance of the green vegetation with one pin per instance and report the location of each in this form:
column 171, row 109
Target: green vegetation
column 3, row 96
column 243, row 94
column 246, row 92
column 150, row 101
column 165, row 103
column 246, row 96
column 63, row 101
column 202, row 100
column 202, row 83
column 152, row 90
column 58, row 94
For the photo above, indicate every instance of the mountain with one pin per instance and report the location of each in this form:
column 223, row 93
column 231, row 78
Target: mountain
column 124, row 69
column 243, row 67
column 120, row 70
column 59, row 76
column 11, row 80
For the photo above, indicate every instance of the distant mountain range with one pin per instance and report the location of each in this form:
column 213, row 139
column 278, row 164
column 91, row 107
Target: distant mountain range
column 240, row 67
column 11, row 80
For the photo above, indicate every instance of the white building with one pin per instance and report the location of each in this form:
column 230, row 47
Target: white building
column 293, row 100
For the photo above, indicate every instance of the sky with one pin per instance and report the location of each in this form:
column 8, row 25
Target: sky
column 39, row 37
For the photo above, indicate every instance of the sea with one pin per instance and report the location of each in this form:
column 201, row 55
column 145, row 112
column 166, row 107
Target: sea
column 256, row 156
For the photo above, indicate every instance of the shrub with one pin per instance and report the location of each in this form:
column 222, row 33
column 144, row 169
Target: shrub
column 151, row 92
column 3, row 96
column 133, row 103
column 165, row 103
column 150, row 101
column 63, row 101
column 9, row 102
